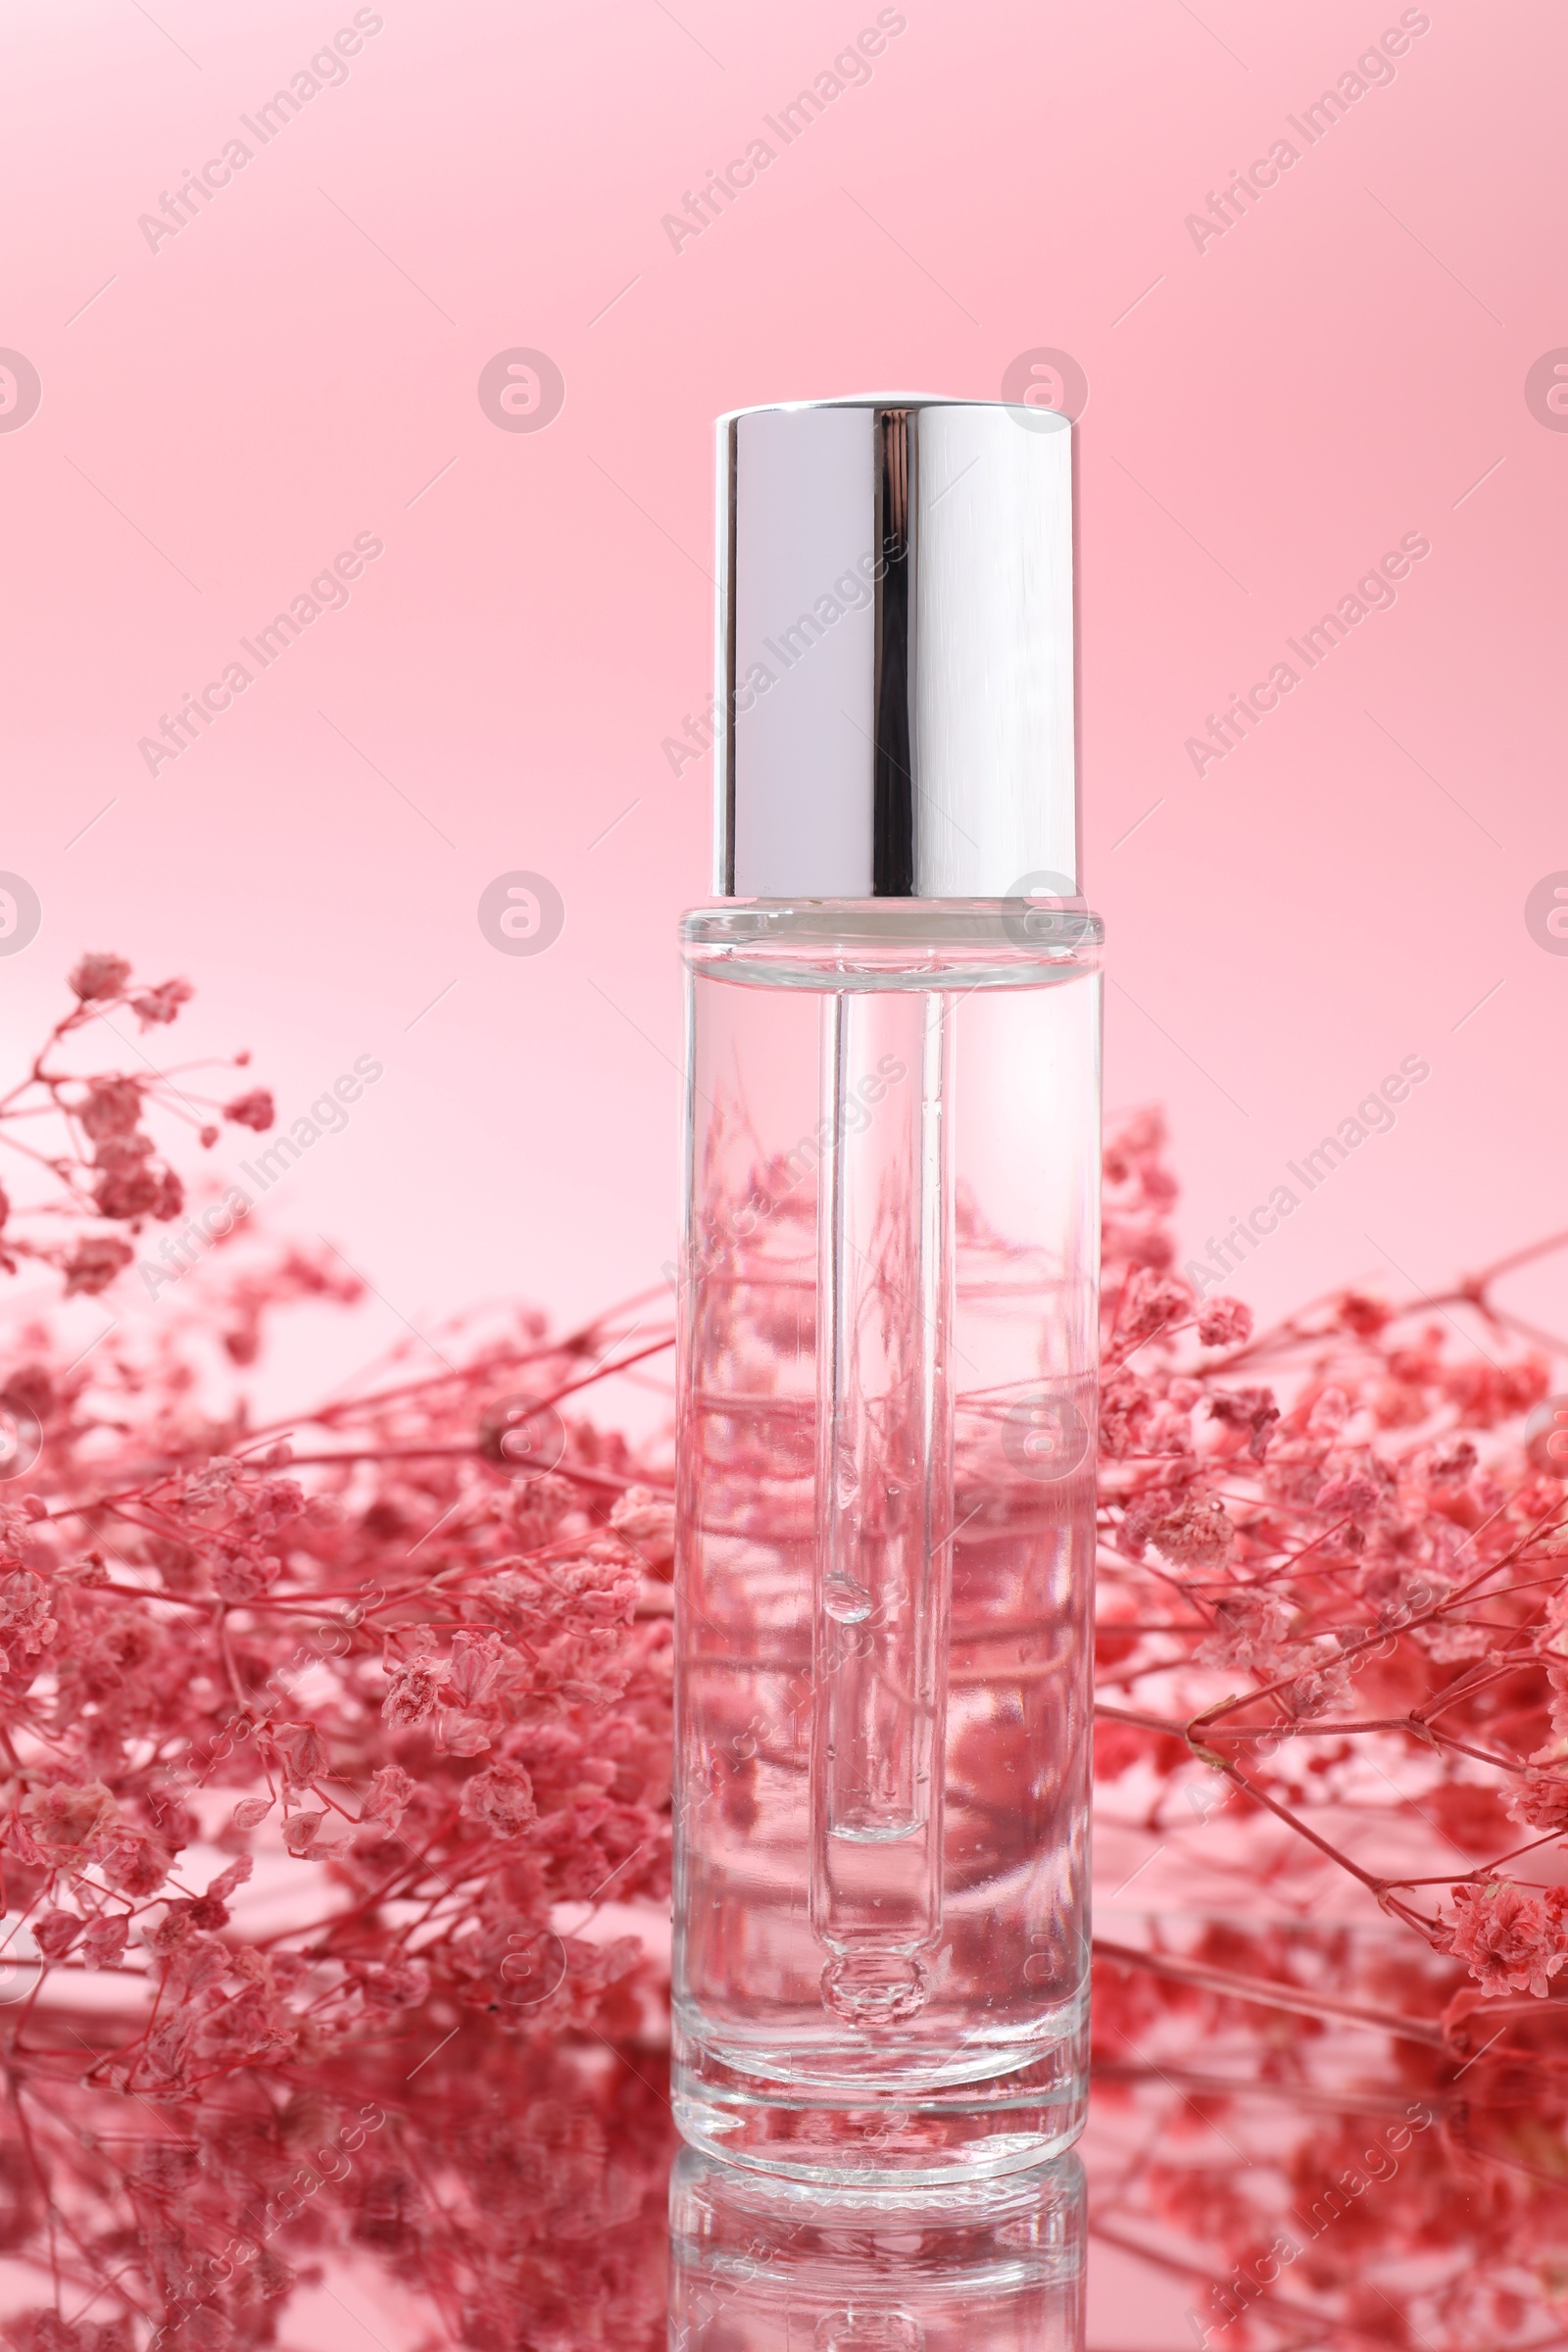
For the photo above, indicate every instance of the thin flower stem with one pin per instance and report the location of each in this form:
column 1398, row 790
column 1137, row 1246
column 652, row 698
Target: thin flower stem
column 1267, row 1994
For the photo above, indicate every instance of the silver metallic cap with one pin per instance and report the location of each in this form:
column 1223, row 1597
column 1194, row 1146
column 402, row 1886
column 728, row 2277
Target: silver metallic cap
column 897, row 689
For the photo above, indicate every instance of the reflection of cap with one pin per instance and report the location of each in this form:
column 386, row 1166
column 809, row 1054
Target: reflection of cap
column 895, row 650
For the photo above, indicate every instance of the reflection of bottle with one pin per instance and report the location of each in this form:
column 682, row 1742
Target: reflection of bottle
column 760, row 2264
column 886, row 1489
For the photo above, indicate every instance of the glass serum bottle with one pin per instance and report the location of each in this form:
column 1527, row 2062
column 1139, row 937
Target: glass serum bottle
column 886, row 1375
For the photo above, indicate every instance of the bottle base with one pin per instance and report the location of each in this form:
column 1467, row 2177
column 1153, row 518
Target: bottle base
column 910, row 2135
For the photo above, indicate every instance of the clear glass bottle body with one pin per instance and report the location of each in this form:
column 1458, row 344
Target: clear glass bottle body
column 770, row 2264
column 885, row 1535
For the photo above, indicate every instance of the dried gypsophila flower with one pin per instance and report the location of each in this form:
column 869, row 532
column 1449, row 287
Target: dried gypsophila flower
column 539, row 1773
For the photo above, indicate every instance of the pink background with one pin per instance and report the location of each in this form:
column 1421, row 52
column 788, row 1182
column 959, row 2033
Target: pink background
column 299, row 365
column 293, row 368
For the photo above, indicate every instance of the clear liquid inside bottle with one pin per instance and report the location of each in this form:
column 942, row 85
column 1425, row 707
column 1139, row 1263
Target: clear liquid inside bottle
column 885, row 1536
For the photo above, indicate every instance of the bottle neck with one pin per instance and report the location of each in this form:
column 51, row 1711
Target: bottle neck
column 872, row 943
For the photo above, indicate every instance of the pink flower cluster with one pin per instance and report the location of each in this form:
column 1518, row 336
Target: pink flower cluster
column 334, row 1784
column 99, row 1162
column 324, row 1747
column 1333, row 1585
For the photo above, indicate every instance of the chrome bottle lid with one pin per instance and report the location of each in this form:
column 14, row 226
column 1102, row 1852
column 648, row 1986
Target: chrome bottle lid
column 897, row 682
